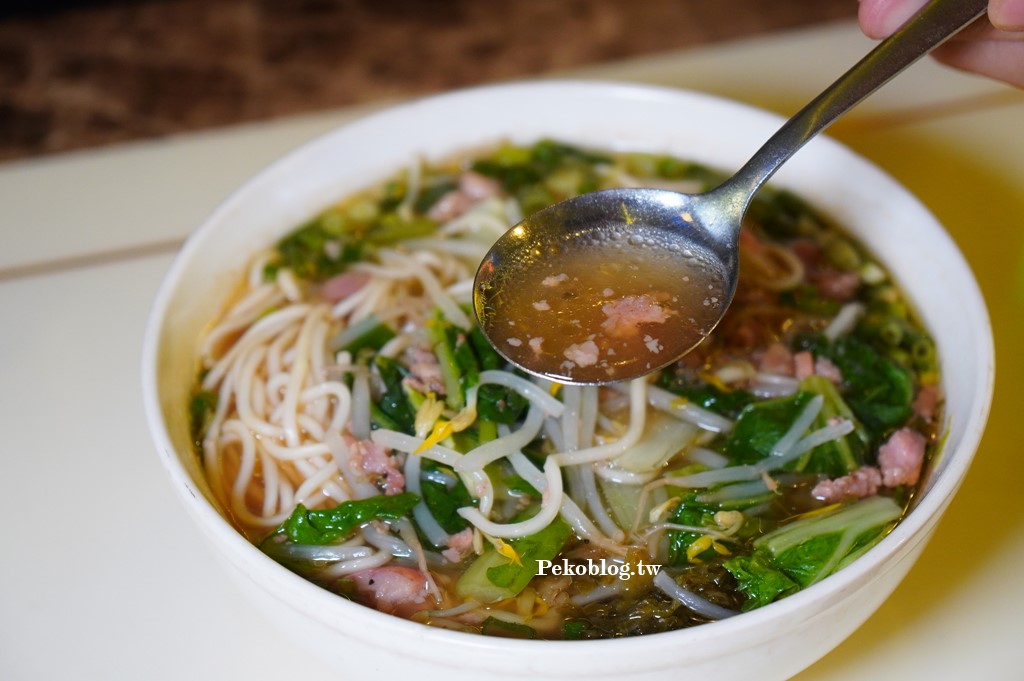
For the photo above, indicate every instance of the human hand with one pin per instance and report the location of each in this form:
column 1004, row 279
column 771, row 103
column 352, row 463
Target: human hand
column 992, row 46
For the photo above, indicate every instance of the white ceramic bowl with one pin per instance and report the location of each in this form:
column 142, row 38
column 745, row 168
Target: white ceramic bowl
column 771, row 643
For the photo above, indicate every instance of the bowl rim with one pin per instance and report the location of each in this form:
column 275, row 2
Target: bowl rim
column 330, row 609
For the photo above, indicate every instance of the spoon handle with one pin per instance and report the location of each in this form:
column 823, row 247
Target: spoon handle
column 937, row 21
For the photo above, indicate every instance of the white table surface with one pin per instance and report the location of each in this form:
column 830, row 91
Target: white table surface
column 102, row 576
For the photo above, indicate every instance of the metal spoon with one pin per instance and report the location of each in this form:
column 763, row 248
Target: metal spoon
column 567, row 293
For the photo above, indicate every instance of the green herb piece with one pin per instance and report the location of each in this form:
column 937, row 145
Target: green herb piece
column 394, row 402
column 808, row 298
column 444, row 500
column 493, row 626
column 574, row 630
column 201, row 409
column 318, row 250
column 329, row 525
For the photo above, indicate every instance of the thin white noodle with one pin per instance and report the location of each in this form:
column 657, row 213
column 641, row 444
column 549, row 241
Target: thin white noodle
column 451, row 310
column 241, row 316
column 530, row 391
column 571, row 513
column 800, row 425
column 662, row 527
column 235, row 431
column 707, row 457
column 288, row 453
column 472, row 250
column 285, row 280
column 276, row 365
column 345, row 306
column 408, row 534
column 349, row 567
column 612, row 473
column 315, row 482
column 481, row 215
column 311, row 426
column 356, row 479
column 342, row 401
column 260, row 332
column 551, row 503
column 247, row 388
column 596, row 504
column 588, row 415
column 462, row 609
column 431, row 529
column 257, row 275
column 476, row 481
column 359, row 421
column 461, row 291
column 697, row 604
column 478, row 457
column 413, row 179
column 772, row 385
column 844, row 321
column 318, row 355
column 611, row 450
column 553, row 433
column 297, row 377
column 682, row 408
column 385, row 541
column 270, row 483
column 571, row 399
column 600, row 592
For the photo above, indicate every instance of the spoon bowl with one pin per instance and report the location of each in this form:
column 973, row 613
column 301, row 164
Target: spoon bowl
column 604, row 260
column 639, row 277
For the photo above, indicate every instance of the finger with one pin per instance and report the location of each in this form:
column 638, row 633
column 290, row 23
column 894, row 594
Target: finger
column 1007, row 15
column 1001, row 60
column 879, row 18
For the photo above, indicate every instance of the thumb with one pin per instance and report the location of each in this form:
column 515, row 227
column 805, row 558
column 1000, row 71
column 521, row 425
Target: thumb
column 1006, row 15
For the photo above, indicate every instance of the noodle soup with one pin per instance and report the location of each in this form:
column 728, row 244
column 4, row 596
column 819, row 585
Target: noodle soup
column 355, row 424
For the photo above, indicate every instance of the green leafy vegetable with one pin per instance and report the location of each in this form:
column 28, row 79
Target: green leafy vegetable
column 493, row 577
column 812, row 548
column 759, row 581
column 728, row 403
column 318, row 250
column 444, row 500
column 761, row 425
column 841, row 456
column 688, row 512
column 394, row 403
column 878, row 390
column 329, row 525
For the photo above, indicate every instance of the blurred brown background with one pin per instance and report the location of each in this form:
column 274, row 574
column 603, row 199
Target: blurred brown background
column 80, row 74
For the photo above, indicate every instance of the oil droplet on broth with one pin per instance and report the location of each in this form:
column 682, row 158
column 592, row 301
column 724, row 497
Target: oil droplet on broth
column 604, row 312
